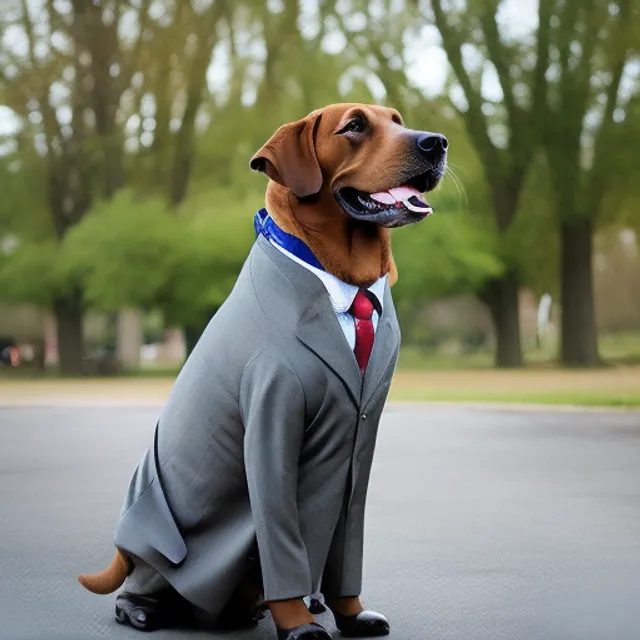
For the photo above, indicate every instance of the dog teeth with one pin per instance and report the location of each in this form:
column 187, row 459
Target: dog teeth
column 422, row 208
column 413, row 203
column 372, row 204
column 366, row 203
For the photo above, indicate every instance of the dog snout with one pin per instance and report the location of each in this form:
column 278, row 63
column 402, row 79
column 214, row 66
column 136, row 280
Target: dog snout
column 433, row 146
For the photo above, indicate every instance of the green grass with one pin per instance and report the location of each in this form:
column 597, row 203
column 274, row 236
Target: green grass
column 622, row 348
column 420, row 377
column 51, row 374
column 613, row 387
column 416, row 359
column 615, row 349
column 625, row 400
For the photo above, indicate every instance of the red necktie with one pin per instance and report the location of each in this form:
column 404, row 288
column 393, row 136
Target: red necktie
column 362, row 310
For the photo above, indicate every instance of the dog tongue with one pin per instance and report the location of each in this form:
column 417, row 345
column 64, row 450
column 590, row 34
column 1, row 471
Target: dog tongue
column 397, row 194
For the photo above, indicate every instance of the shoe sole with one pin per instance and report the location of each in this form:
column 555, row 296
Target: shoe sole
column 123, row 619
column 373, row 631
column 315, row 635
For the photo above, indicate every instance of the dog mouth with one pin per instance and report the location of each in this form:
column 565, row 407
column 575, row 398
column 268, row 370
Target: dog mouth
column 394, row 207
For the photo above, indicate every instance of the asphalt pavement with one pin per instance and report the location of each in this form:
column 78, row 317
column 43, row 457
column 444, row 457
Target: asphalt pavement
column 483, row 524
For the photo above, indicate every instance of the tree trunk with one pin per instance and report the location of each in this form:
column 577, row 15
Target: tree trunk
column 69, row 312
column 578, row 325
column 129, row 338
column 192, row 334
column 194, row 330
column 501, row 295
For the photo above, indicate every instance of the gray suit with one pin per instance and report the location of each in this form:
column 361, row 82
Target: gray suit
column 268, row 435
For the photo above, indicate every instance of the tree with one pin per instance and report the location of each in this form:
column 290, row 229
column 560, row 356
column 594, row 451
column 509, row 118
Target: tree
column 446, row 255
column 90, row 70
column 594, row 41
column 136, row 252
column 502, row 129
column 559, row 89
column 453, row 252
column 124, row 251
column 381, row 39
column 63, row 86
column 297, row 75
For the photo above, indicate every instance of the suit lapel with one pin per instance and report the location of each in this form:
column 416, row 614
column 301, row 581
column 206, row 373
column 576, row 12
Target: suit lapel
column 319, row 330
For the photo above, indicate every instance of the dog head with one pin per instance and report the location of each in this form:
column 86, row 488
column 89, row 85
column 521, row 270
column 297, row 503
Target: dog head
column 374, row 168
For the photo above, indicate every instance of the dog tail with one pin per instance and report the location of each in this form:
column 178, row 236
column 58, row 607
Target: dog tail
column 108, row 580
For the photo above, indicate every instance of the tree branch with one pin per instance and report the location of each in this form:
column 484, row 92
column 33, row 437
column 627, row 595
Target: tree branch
column 452, row 46
column 568, row 17
column 51, row 125
column 584, row 72
column 133, row 59
column 237, row 64
column 474, row 117
column 27, row 25
column 499, row 56
column 207, row 34
column 620, row 44
column 539, row 81
column 391, row 78
column 565, row 126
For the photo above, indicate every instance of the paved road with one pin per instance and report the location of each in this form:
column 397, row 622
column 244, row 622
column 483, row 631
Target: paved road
column 482, row 525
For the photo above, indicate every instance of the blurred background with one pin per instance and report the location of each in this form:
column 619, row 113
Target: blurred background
column 126, row 198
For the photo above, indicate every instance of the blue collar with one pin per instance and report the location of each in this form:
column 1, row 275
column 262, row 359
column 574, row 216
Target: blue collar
column 265, row 225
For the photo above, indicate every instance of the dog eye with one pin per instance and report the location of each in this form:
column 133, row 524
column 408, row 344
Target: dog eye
column 355, row 125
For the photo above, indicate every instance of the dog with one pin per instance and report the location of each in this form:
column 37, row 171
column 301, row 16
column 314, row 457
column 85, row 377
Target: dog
column 254, row 487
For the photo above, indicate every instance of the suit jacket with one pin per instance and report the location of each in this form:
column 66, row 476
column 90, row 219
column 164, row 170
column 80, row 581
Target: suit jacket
column 265, row 445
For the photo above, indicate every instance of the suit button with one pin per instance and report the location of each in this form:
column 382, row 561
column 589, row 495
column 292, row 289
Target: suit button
column 363, row 417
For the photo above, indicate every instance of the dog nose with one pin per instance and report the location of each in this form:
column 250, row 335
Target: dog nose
column 431, row 143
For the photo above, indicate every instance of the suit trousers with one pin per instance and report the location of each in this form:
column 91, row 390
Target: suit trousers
column 144, row 580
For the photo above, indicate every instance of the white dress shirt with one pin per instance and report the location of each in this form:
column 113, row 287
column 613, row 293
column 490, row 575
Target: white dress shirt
column 342, row 295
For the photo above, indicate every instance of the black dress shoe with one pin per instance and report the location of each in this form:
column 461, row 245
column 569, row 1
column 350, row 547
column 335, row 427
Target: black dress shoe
column 366, row 624
column 311, row 631
column 239, row 618
column 316, row 607
column 148, row 613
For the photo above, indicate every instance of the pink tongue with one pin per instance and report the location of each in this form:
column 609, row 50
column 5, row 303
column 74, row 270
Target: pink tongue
column 397, row 194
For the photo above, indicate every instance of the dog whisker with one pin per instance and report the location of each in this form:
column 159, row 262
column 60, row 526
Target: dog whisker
column 458, row 184
column 460, row 169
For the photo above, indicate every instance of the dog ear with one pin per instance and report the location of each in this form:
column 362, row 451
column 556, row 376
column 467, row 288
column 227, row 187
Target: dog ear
column 289, row 157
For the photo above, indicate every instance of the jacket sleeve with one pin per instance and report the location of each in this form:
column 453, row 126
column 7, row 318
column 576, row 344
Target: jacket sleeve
column 273, row 411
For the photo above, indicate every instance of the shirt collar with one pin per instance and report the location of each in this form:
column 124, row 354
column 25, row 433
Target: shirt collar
column 341, row 294
column 265, row 225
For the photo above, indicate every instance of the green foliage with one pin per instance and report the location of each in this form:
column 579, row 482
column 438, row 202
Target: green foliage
column 30, row 274
column 531, row 243
column 23, row 206
column 124, row 251
column 180, row 140
column 134, row 252
column 457, row 250
column 441, row 256
column 219, row 234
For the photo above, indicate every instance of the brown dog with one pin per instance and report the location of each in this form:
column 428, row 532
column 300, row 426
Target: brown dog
column 340, row 179
column 328, row 165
